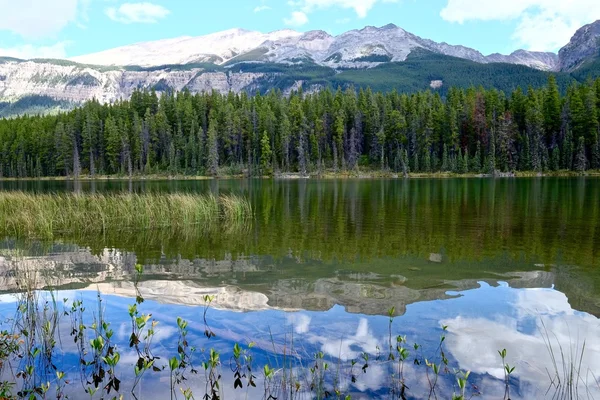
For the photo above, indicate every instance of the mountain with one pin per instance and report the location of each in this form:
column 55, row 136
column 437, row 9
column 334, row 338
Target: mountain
column 364, row 48
column 239, row 60
column 584, row 47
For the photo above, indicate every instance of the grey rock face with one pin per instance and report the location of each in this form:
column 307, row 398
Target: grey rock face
column 77, row 82
column 584, row 45
column 544, row 61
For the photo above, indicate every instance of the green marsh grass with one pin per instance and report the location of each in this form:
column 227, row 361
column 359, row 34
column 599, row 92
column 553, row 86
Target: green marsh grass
column 46, row 215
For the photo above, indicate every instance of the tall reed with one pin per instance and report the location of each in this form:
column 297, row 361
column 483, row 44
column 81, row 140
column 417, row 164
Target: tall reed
column 46, row 215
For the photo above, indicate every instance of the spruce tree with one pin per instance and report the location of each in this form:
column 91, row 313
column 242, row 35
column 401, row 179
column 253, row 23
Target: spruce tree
column 555, row 164
column 213, row 149
column 552, row 110
column 465, row 163
column 301, row 155
column 460, row 168
column 476, row 163
column 405, row 166
column 113, row 145
column 265, row 154
column 567, row 151
column 415, row 166
column 445, row 165
column 491, row 164
column 580, row 159
column 427, row 161
column 76, row 163
column 453, row 164
column 596, row 153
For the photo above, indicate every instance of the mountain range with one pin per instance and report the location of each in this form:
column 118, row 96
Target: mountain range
column 364, row 48
column 239, row 60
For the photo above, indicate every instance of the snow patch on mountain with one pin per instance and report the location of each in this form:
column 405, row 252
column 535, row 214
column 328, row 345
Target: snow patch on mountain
column 361, row 48
column 216, row 48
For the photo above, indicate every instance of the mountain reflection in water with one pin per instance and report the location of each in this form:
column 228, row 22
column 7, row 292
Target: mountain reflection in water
column 509, row 263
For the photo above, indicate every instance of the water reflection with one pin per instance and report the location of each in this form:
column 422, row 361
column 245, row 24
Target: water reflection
column 545, row 338
column 260, row 283
column 520, row 320
column 547, row 221
column 323, row 262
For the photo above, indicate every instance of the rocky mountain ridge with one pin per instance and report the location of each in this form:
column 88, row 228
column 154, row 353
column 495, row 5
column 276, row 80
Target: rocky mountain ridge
column 584, row 46
column 363, row 48
column 239, row 60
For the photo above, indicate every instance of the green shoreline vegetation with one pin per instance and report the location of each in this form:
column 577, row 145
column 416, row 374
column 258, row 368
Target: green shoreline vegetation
column 325, row 174
column 469, row 131
column 46, row 215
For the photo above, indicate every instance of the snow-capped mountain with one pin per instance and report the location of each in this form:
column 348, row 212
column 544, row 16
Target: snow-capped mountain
column 240, row 60
column 362, row 48
column 215, row 48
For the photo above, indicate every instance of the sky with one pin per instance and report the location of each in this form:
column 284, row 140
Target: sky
column 67, row 28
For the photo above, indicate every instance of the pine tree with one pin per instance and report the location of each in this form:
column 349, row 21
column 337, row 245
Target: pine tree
column 405, row 165
column 567, row 151
column 90, row 139
column 465, row 162
column 213, row 149
column 453, row 164
column 491, row 164
column 415, row 166
column 265, row 154
column 555, row 159
column 445, row 166
column 113, row 145
column 381, row 142
column 552, row 110
column 580, row 159
column 301, row 155
column 340, row 133
column 76, row 163
column 126, row 163
column 525, row 159
column 476, row 163
column 596, row 153
column 460, row 168
column 427, row 161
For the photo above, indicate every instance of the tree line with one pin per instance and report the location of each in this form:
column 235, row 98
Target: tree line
column 471, row 130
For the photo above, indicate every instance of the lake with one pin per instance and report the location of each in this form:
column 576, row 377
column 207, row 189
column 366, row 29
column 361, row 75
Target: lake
column 328, row 284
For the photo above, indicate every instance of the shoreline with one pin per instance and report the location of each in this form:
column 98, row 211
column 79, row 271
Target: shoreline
column 323, row 175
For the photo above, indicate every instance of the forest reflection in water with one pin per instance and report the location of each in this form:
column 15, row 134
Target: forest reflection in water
column 499, row 262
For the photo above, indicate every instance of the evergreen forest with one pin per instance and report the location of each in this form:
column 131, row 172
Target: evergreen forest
column 473, row 130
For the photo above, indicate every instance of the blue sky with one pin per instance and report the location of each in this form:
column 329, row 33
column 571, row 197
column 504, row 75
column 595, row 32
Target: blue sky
column 66, row 28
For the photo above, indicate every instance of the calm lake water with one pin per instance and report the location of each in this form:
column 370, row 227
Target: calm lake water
column 505, row 263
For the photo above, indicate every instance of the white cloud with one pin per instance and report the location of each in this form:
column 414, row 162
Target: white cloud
column 29, row 51
column 146, row 13
column 300, row 322
column 298, row 18
column 541, row 320
column 34, row 19
column 261, row 8
column 542, row 25
column 360, row 7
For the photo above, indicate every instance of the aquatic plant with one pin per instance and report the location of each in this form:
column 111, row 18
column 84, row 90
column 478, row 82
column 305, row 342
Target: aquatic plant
column 565, row 370
column 46, row 215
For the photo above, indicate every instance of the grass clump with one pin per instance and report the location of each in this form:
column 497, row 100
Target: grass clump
column 46, row 215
